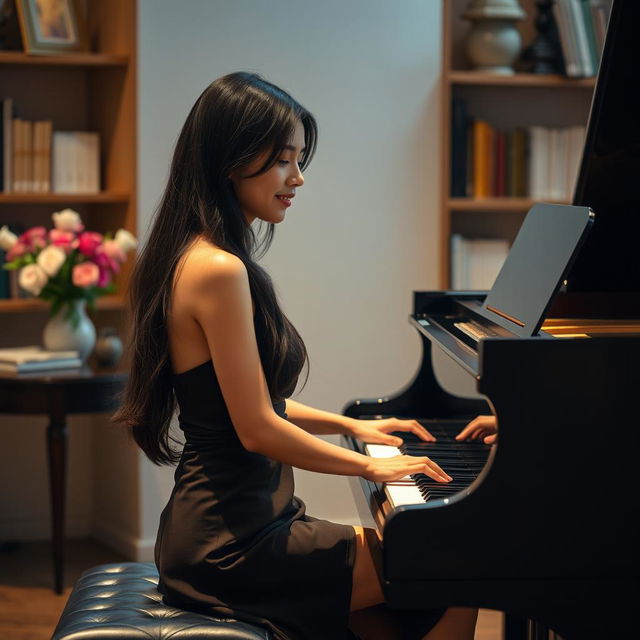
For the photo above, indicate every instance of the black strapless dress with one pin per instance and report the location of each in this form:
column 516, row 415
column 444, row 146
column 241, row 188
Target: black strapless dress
column 233, row 539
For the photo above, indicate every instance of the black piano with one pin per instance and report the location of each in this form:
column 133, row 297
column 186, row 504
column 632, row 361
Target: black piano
column 545, row 524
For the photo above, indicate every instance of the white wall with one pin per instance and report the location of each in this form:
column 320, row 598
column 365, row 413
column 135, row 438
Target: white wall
column 362, row 233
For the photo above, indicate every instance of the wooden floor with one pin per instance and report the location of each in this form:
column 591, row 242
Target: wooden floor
column 29, row 609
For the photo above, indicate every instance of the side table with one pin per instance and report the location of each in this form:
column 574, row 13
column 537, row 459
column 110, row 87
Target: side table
column 59, row 394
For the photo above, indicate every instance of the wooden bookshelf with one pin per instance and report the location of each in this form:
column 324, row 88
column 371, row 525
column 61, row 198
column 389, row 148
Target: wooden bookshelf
column 27, row 305
column 478, row 78
column 105, row 197
column 18, row 58
column 89, row 91
column 492, row 205
column 509, row 101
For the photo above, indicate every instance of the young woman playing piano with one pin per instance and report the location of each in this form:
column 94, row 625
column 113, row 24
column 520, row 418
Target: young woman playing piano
column 209, row 335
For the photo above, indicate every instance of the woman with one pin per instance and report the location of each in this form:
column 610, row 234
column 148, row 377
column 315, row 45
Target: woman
column 208, row 333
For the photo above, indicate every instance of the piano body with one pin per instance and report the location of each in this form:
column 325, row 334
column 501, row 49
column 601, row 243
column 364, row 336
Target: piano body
column 549, row 530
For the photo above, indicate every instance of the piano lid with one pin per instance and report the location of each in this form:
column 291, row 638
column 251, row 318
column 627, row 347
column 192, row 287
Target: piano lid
column 605, row 277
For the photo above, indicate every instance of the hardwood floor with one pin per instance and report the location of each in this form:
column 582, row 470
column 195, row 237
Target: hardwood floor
column 29, row 609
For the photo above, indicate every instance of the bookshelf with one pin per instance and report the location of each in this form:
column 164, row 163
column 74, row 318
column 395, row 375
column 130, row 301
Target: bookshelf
column 521, row 100
column 92, row 91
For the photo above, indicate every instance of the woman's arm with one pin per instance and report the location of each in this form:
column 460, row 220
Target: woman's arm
column 318, row 421
column 219, row 298
column 375, row 431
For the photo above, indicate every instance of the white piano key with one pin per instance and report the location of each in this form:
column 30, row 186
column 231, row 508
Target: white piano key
column 400, row 492
column 381, row 450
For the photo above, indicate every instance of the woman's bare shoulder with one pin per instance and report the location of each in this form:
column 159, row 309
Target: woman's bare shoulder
column 205, row 265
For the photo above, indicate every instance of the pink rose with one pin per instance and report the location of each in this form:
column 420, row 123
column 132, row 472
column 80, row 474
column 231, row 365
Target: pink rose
column 66, row 240
column 88, row 242
column 16, row 251
column 85, row 274
column 104, row 261
column 114, row 251
column 34, row 238
column 105, row 277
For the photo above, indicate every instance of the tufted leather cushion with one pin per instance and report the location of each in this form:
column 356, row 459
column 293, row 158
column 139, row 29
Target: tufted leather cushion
column 121, row 601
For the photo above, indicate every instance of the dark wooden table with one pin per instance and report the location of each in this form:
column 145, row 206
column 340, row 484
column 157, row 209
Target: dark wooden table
column 59, row 394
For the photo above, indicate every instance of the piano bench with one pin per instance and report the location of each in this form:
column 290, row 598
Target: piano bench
column 121, row 600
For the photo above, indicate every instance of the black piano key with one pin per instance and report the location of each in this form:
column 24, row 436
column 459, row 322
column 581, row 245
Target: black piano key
column 461, row 460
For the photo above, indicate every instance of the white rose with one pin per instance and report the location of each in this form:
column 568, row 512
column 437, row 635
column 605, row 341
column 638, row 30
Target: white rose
column 51, row 259
column 32, row 279
column 125, row 240
column 7, row 238
column 67, row 220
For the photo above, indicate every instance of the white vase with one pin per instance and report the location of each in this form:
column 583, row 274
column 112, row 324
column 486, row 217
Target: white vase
column 60, row 334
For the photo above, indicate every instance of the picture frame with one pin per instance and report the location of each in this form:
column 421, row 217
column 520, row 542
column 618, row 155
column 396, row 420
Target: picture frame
column 52, row 26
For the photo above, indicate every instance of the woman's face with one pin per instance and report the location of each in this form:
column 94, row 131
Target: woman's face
column 267, row 196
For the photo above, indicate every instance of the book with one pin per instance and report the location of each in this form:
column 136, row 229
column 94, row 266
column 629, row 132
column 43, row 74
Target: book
column 76, row 162
column 42, row 156
column 577, row 21
column 500, row 168
column 568, row 38
column 592, row 43
column 34, row 358
column 459, row 122
column 476, row 262
column 482, row 159
column 520, row 159
column 7, row 144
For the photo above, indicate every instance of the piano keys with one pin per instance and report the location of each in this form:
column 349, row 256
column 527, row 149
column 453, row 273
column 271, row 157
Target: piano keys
column 462, row 460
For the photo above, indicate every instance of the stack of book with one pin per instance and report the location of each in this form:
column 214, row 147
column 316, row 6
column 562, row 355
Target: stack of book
column 582, row 25
column 476, row 262
column 34, row 359
column 36, row 159
column 535, row 162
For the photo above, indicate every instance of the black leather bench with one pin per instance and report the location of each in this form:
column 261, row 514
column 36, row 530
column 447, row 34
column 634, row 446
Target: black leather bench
column 121, row 601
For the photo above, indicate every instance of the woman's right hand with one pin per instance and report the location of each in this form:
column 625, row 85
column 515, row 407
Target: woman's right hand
column 482, row 427
column 397, row 467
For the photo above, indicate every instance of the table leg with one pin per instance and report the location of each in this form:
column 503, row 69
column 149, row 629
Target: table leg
column 57, row 454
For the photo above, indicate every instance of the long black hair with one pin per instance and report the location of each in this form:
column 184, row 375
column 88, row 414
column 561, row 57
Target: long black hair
column 237, row 118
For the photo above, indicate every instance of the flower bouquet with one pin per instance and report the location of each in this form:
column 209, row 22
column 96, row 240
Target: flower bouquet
column 66, row 264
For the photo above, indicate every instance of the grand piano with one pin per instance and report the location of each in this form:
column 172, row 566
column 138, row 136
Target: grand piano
column 544, row 524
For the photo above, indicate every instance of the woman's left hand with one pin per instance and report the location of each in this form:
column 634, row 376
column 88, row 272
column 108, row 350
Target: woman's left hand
column 378, row 431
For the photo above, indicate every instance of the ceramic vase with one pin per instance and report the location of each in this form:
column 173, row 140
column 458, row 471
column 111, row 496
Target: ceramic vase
column 61, row 335
column 493, row 42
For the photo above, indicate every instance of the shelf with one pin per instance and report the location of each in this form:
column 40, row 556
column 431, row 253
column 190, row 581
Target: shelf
column 515, row 205
column 104, row 197
column 19, row 58
column 480, row 78
column 25, row 305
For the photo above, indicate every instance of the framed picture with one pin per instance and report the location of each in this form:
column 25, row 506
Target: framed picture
column 51, row 26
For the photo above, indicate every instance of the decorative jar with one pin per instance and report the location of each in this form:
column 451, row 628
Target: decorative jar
column 493, row 42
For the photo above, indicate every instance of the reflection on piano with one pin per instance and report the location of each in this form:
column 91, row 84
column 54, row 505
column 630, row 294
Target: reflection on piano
column 544, row 525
